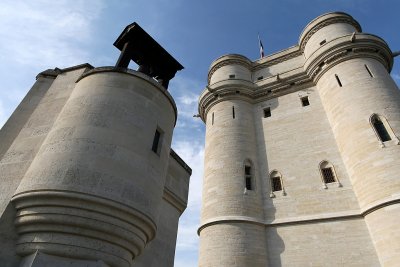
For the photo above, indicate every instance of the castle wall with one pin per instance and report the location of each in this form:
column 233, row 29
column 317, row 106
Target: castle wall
column 293, row 141
column 330, row 244
column 21, row 138
column 349, row 218
column 230, row 145
column 375, row 178
column 161, row 250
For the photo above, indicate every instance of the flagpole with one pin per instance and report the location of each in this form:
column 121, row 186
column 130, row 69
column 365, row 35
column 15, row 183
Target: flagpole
column 261, row 46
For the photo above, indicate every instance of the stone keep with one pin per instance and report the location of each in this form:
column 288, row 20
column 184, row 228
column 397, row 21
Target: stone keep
column 302, row 158
column 87, row 173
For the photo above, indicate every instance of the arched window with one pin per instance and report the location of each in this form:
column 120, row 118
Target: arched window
column 328, row 173
column 248, row 175
column 276, row 183
column 381, row 127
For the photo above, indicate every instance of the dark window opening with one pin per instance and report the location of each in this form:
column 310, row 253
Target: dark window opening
column 156, row 142
column 248, row 183
column 247, row 170
column 247, row 174
column 260, row 78
column 232, row 76
column 338, row 80
column 212, row 119
column 328, row 175
column 304, row 101
column 369, row 71
column 237, row 92
column 233, row 112
column 267, row 112
column 276, row 184
column 322, row 42
column 381, row 130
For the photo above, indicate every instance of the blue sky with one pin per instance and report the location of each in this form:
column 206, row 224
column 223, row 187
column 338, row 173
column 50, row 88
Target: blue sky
column 41, row 34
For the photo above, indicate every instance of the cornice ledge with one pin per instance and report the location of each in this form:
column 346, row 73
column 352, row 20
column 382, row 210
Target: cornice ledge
column 372, row 48
column 230, row 219
column 276, row 58
column 174, row 200
column 391, row 200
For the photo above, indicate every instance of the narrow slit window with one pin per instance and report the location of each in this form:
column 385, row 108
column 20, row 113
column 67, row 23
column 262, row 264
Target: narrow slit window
column 157, row 141
column 380, row 129
column 212, row 118
column 338, row 80
column 322, row 42
column 267, row 112
column 233, row 112
column 328, row 175
column 369, row 71
column 248, row 178
column 232, row 76
column 304, row 101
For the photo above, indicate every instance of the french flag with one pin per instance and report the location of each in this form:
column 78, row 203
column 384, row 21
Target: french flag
column 261, row 47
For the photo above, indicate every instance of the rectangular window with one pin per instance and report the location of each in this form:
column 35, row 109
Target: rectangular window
column 304, row 101
column 232, row 76
column 260, row 78
column 267, row 112
column 322, row 42
column 157, row 142
column 276, row 184
column 328, row 175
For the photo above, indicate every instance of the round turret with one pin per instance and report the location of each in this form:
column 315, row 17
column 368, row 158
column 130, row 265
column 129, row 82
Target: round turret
column 325, row 29
column 110, row 141
column 228, row 68
column 362, row 103
column 232, row 187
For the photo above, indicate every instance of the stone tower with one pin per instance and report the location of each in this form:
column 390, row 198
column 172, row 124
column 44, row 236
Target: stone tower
column 86, row 161
column 302, row 153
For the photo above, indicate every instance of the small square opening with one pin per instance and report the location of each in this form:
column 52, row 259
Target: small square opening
column 304, row 101
column 267, row 112
column 322, row 42
column 232, row 76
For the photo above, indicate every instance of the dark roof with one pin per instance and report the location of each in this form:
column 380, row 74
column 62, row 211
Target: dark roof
column 144, row 50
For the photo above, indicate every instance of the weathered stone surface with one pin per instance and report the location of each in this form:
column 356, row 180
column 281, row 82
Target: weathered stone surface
column 86, row 187
column 344, row 74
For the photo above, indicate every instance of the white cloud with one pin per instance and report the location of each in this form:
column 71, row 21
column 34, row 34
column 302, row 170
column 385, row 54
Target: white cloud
column 43, row 33
column 183, row 90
